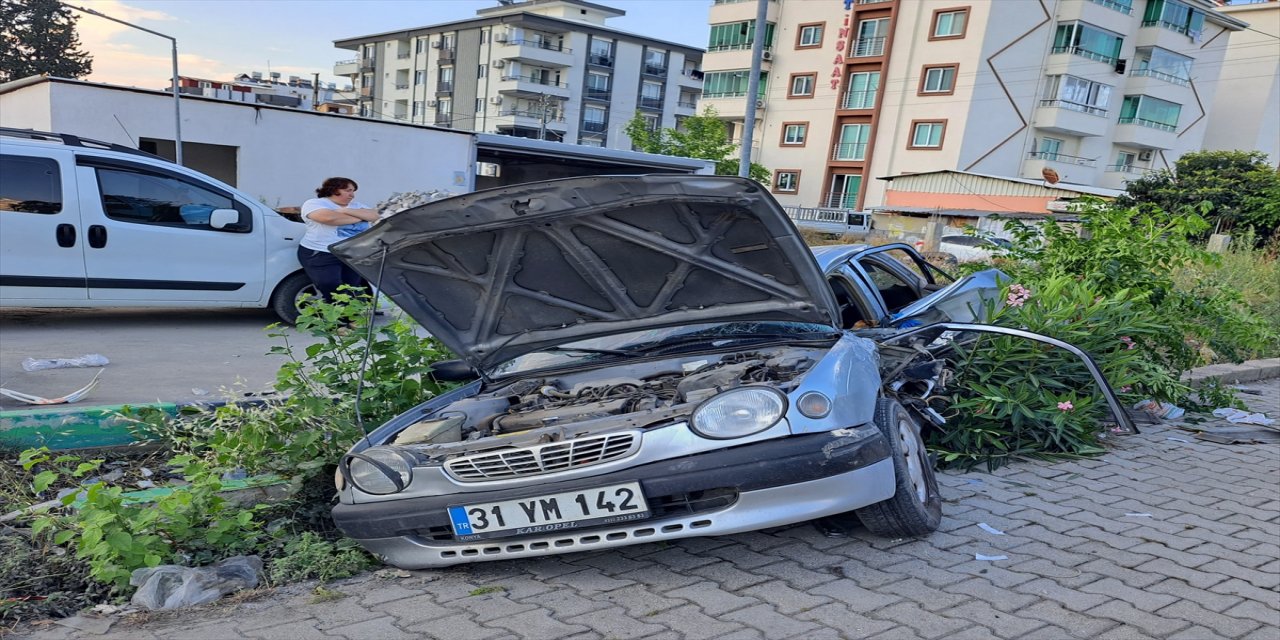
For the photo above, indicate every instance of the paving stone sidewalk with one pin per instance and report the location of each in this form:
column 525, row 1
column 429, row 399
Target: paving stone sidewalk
column 1164, row 537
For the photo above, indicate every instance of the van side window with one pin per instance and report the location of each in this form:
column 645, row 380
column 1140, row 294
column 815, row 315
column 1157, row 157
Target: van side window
column 145, row 198
column 30, row 185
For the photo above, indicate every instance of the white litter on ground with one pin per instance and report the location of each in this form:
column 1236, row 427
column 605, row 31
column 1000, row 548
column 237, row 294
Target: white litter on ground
column 1137, row 515
column 1236, row 416
column 979, row 556
column 990, row 529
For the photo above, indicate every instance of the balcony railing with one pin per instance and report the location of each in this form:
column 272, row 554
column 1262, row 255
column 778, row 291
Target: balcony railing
column 1150, row 123
column 531, row 113
column 351, row 61
column 445, row 86
column 873, row 1
column 535, row 80
column 1160, row 75
column 655, row 69
column 366, row 91
column 402, row 56
column 1085, row 53
column 448, row 54
column 1075, row 106
column 865, row 99
column 367, row 63
column 651, row 103
column 1061, row 157
column 840, row 200
column 866, row 47
column 1118, row 6
column 600, row 60
column 541, row 44
column 598, row 94
column 686, row 104
column 444, row 118
column 849, row 151
column 1165, row 24
column 1125, row 168
column 402, row 86
column 594, row 127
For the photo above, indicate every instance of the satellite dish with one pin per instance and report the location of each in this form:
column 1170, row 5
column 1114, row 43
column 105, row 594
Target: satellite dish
column 1050, row 175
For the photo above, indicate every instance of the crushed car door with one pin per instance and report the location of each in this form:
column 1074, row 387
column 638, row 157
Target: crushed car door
column 898, row 275
column 918, row 365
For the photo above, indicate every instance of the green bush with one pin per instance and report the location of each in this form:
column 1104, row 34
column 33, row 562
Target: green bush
column 312, row 557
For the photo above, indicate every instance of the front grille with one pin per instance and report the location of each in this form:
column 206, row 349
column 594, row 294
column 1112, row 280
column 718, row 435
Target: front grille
column 543, row 458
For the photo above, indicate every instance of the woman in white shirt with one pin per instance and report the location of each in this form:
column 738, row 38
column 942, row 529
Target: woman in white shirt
column 331, row 216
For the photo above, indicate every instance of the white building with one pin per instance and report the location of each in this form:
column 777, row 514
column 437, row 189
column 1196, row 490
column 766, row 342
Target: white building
column 547, row 69
column 1090, row 92
column 1246, row 109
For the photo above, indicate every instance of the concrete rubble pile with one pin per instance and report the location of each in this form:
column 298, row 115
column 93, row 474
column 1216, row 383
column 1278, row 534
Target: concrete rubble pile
column 401, row 201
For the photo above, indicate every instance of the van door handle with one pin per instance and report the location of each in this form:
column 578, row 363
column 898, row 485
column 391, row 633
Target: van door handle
column 66, row 235
column 97, row 236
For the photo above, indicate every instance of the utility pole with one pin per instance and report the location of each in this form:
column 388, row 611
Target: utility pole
column 753, row 88
column 177, row 104
column 545, row 113
column 315, row 91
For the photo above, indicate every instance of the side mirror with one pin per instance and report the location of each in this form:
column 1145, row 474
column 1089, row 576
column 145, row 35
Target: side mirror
column 453, row 371
column 222, row 218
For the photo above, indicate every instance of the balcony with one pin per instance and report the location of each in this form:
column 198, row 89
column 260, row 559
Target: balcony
column 1071, row 118
column 448, row 54
column 849, row 152
column 600, row 60
column 655, row 70
column 539, row 52
column 444, row 119
column 1086, row 54
column 740, row 11
column 403, row 56
column 868, row 47
column 1075, row 168
column 444, row 86
column 532, row 85
column 1063, row 158
column 1116, row 176
column 366, row 92
column 647, row 102
column 598, row 94
column 1145, row 134
column 347, row 68
column 837, row 200
column 1160, row 75
column 402, row 86
column 865, row 99
column 367, row 64
column 1122, row 7
column 687, row 104
column 594, row 127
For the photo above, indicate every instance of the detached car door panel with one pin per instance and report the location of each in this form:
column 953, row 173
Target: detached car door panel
column 148, row 237
column 41, row 246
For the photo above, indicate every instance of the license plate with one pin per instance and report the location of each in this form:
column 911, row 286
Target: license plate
column 549, row 513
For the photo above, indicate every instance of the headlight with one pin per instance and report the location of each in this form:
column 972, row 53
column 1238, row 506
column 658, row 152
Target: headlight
column 740, row 412
column 379, row 470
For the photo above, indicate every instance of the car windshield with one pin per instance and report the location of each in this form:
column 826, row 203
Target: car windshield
column 666, row 339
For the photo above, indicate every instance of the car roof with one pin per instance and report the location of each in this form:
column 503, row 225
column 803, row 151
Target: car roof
column 828, row 256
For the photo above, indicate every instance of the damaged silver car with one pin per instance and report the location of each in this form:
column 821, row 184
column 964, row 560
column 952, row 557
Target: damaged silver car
column 656, row 357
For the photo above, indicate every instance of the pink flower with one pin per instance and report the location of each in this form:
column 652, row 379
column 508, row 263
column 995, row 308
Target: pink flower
column 1018, row 295
column 1066, row 406
column 1126, row 389
column 1129, row 344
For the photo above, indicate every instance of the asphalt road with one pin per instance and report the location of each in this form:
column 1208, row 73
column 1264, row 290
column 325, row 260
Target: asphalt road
column 156, row 355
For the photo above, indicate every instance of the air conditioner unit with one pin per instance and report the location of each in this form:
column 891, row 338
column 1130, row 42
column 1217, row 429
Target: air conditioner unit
column 1145, row 156
column 432, row 103
column 436, row 44
column 499, row 37
column 766, row 56
column 760, row 104
column 495, row 100
column 498, row 64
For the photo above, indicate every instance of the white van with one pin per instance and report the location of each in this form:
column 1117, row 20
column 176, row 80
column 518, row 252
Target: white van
column 92, row 224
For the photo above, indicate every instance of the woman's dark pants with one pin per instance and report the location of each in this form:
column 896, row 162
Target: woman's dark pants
column 328, row 273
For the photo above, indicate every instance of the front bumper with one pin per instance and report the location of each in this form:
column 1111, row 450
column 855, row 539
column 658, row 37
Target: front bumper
column 743, row 488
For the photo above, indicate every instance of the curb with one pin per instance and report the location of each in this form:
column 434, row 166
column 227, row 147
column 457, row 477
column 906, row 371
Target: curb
column 1247, row 371
column 87, row 427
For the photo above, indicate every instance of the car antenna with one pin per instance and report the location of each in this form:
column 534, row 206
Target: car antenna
column 368, row 342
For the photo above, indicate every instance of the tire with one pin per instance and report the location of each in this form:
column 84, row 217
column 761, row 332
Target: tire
column 916, row 506
column 286, row 300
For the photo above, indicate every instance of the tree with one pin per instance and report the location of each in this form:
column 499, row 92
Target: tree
column 702, row 136
column 39, row 37
column 1240, row 185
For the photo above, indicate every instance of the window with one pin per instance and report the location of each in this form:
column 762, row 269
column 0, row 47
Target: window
column 844, row 191
column 927, row 134
column 601, row 52
column 1124, row 161
column 655, row 62
column 1049, row 149
column 853, row 142
column 725, row 84
column 871, row 35
column 594, row 119
column 1174, row 16
column 30, row 185
column 1088, row 41
column 484, row 36
column 598, row 85
column 793, row 133
column 479, row 108
column 949, row 23
column 786, row 180
column 1123, row 6
column 737, row 35
column 1163, row 65
column 444, row 109
column 1150, row 112
column 1077, row 94
column 420, row 45
column 802, row 85
column 482, row 71
column 417, row 108
column 810, row 36
column 151, row 198
column 862, row 90
column 419, row 77
column 939, row 80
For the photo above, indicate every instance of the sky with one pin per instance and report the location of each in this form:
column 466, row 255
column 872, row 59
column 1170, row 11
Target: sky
column 219, row 39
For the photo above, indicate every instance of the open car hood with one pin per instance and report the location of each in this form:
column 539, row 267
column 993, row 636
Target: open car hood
column 504, row 272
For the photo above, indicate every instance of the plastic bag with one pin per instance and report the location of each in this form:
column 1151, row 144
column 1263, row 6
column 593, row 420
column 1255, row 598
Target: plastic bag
column 170, row 586
column 87, row 360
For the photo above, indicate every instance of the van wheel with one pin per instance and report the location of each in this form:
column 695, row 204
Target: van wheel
column 916, row 506
column 290, row 295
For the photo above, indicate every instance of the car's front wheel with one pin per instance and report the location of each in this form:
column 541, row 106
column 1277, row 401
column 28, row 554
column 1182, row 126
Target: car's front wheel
column 290, row 295
column 916, row 506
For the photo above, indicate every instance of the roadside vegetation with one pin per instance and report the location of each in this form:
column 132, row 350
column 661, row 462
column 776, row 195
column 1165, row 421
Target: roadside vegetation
column 80, row 548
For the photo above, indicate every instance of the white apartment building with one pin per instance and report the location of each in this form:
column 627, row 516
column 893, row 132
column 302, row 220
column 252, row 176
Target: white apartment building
column 1246, row 108
column 1087, row 92
column 545, row 69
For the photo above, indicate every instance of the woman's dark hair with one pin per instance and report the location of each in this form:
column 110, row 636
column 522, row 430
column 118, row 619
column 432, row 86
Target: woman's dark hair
column 334, row 185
